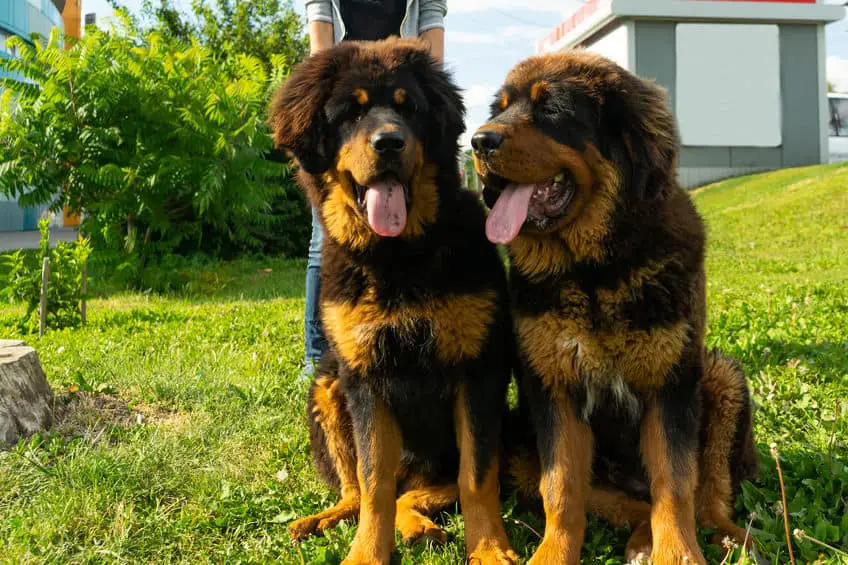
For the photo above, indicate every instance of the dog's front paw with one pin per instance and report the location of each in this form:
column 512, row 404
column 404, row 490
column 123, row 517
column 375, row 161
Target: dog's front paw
column 493, row 554
column 346, row 509
column 676, row 551
column 639, row 545
column 370, row 549
column 303, row 528
column 559, row 549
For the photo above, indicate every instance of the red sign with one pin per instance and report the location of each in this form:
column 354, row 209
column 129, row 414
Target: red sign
column 591, row 7
column 575, row 20
column 772, row 1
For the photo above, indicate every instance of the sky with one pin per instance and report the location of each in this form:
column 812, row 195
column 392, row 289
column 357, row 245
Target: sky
column 485, row 38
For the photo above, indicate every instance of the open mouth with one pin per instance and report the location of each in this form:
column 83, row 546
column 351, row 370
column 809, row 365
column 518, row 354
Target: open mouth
column 384, row 201
column 539, row 203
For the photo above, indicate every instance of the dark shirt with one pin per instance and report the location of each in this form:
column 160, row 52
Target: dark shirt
column 370, row 20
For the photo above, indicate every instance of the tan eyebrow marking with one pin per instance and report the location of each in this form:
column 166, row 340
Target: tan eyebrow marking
column 504, row 101
column 361, row 96
column 400, row 96
column 538, row 89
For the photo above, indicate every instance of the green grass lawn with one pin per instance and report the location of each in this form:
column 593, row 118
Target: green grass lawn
column 182, row 435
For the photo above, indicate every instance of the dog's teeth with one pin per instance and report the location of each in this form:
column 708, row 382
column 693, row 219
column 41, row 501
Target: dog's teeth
column 560, row 178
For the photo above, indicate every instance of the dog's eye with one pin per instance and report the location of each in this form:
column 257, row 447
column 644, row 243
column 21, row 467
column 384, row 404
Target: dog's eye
column 557, row 108
column 355, row 115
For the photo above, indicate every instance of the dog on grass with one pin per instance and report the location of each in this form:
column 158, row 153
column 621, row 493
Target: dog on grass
column 630, row 415
column 405, row 415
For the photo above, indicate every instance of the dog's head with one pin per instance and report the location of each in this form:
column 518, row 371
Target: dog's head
column 370, row 124
column 572, row 139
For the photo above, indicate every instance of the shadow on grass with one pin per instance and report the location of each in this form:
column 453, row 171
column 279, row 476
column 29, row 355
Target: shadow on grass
column 826, row 354
column 206, row 281
column 139, row 318
column 260, row 285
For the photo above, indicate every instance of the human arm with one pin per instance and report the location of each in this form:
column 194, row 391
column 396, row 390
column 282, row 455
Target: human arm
column 435, row 38
column 319, row 14
column 431, row 26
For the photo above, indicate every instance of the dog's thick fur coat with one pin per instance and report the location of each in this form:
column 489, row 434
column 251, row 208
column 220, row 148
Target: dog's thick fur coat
column 629, row 413
column 406, row 413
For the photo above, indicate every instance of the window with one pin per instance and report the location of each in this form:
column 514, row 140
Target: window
column 838, row 117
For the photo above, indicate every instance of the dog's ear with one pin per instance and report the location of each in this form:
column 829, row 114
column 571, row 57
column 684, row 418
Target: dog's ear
column 643, row 135
column 446, row 108
column 449, row 106
column 297, row 115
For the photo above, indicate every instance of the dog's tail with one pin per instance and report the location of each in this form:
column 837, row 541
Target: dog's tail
column 727, row 393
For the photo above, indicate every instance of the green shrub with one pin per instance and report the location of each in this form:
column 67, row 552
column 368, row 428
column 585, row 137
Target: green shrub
column 161, row 146
column 264, row 29
column 64, row 285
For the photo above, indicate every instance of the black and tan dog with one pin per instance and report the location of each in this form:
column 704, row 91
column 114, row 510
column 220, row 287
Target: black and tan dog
column 406, row 413
column 632, row 417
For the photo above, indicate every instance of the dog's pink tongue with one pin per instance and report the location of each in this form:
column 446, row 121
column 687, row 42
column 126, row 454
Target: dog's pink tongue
column 386, row 206
column 509, row 212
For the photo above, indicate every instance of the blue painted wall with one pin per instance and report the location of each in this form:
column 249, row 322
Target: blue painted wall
column 14, row 16
column 20, row 18
column 49, row 10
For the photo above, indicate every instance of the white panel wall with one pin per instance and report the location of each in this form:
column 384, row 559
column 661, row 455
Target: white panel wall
column 728, row 85
column 615, row 46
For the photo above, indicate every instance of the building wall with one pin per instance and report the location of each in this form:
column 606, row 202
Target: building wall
column 615, row 45
column 22, row 18
column 799, row 83
column 800, row 107
column 14, row 17
column 71, row 17
column 728, row 84
column 43, row 17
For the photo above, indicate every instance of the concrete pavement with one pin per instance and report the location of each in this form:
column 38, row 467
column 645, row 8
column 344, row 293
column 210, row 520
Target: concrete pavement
column 12, row 240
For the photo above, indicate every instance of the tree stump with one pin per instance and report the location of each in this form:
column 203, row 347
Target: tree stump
column 26, row 398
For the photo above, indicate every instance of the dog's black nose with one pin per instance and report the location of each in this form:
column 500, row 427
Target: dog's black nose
column 392, row 141
column 486, row 141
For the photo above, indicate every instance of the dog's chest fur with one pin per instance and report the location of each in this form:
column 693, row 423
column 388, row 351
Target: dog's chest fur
column 586, row 340
column 446, row 329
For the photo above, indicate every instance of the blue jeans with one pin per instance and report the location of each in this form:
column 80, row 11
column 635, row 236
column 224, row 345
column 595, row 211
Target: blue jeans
column 313, row 332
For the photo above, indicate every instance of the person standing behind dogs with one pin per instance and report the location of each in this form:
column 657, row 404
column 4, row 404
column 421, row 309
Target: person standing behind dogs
column 330, row 22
